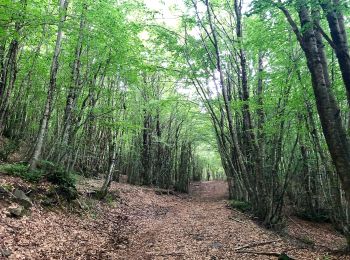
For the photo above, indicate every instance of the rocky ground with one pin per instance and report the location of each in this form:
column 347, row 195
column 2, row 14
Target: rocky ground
column 144, row 223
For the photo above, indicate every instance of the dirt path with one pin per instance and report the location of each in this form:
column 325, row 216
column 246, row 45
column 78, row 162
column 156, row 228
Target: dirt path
column 209, row 190
column 202, row 227
column 139, row 224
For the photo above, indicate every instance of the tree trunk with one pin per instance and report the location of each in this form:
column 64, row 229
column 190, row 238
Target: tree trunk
column 338, row 32
column 52, row 87
column 73, row 90
column 109, row 175
column 8, row 79
column 328, row 110
column 146, row 177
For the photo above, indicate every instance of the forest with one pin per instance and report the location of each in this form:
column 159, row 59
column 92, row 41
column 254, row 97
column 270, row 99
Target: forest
column 105, row 104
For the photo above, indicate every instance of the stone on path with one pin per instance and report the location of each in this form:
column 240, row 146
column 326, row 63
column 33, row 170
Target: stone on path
column 22, row 199
column 17, row 212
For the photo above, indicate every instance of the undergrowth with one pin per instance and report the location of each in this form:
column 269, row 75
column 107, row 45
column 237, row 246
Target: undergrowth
column 240, row 205
column 321, row 215
column 22, row 171
column 65, row 181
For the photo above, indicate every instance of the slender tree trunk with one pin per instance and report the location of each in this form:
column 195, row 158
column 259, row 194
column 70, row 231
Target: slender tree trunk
column 260, row 152
column 109, row 175
column 73, row 90
column 146, row 150
column 52, row 87
column 2, row 67
column 8, row 79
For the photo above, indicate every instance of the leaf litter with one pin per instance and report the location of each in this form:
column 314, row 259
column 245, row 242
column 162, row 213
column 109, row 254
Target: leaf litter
column 139, row 224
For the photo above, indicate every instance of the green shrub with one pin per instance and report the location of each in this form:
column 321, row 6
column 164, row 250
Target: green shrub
column 56, row 174
column 14, row 169
column 321, row 215
column 240, row 205
column 22, row 170
column 64, row 180
column 33, row 176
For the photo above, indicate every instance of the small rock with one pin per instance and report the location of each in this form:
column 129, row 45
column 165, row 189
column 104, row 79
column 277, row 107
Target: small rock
column 216, row 245
column 121, row 246
column 80, row 204
column 198, row 237
column 5, row 252
column 17, row 212
column 47, row 202
column 22, row 198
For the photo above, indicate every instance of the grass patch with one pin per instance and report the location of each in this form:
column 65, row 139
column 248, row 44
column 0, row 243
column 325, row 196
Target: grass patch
column 22, row 170
column 242, row 206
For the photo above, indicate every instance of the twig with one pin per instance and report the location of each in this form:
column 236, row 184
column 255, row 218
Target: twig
column 260, row 253
column 167, row 254
column 280, row 256
column 257, row 244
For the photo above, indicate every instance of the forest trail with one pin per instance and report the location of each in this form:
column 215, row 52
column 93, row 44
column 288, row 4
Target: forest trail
column 137, row 223
column 201, row 226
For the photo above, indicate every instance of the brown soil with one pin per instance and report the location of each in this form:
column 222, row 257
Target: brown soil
column 143, row 225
